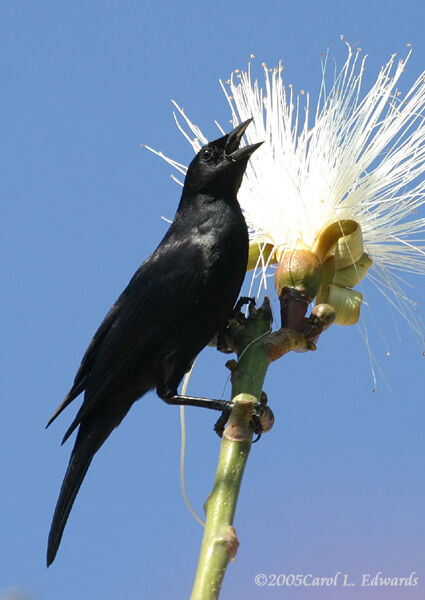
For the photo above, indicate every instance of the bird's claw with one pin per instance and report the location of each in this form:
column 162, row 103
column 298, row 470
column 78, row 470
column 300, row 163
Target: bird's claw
column 240, row 303
column 220, row 424
column 262, row 418
column 220, row 339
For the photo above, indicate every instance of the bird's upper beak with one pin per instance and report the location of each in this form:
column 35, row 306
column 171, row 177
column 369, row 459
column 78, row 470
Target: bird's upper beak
column 232, row 141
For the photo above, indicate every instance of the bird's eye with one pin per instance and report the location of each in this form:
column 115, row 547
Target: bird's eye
column 207, row 153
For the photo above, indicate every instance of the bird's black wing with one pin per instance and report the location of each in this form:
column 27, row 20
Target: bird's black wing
column 80, row 380
column 160, row 296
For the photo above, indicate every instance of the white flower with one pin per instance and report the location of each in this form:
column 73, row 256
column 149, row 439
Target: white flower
column 358, row 156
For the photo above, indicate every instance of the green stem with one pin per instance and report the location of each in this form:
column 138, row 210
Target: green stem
column 256, row 348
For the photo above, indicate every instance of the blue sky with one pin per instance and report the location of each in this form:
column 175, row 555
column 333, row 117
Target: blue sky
column 338, row 484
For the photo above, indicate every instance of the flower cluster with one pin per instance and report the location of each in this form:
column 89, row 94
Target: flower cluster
column 355, row 160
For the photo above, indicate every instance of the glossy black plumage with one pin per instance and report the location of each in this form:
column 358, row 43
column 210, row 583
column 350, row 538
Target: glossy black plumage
column 174, row 304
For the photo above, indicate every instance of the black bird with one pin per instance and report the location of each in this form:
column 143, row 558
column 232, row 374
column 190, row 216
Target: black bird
column 172, row 307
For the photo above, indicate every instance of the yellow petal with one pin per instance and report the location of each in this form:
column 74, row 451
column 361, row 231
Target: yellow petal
column 349, row 247
column 353, row 274
column 255, row 251
column 346, row 304
column 335, row 238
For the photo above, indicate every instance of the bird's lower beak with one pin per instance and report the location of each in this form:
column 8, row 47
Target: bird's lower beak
column 244, row 152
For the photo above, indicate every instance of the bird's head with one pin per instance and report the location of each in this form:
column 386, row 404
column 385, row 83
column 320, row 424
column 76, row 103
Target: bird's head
column 219, row 166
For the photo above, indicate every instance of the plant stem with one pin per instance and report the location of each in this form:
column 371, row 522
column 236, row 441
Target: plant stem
column 256, row 348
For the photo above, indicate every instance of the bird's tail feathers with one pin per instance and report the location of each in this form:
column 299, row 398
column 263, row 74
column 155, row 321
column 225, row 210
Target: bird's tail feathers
column 73, row 393
column 86, row 445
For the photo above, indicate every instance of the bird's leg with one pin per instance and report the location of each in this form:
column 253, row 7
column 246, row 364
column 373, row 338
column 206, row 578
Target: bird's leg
column 178, row 400
column 262, row 415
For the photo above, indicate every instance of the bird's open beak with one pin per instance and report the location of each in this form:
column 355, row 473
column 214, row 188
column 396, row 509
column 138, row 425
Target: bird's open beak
column 233, row 140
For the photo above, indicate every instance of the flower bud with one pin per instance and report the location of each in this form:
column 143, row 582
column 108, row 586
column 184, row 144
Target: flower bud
column 325, row 314
column 300, row 270
column 297, row 280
